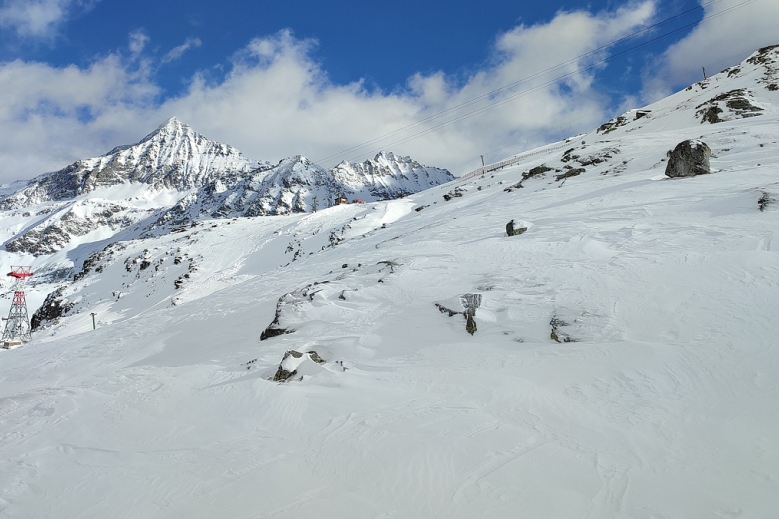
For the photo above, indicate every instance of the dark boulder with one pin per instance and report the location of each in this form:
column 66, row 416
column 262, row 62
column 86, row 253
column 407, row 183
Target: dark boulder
column 514, row 231
column 688, row 159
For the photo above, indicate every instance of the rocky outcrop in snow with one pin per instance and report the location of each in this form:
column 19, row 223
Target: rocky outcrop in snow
column 514, row 228
column 734, row 104
column 466, row 305
column 53, row 308
column 78, row 219
column 689, row 158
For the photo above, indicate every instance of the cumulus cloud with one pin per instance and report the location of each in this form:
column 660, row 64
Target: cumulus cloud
column 730, row 31
column 50, row 116
column 276, row 101
column 176, row 52
column 39, row 18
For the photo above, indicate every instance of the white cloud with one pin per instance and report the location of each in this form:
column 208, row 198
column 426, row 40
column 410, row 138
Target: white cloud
column 50, row 117
column 176, row 52
column 277, row 101
column 138, row 41
column 730, row 31
column 39, row 18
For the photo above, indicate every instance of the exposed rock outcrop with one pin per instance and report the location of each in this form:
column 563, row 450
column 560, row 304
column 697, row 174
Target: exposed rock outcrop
column 466, row 306
column 688, row 159
column 54, row 307
column 288, row 368
column 514, row 230
column 291, row 299
column 735, row 104
column 557, row 334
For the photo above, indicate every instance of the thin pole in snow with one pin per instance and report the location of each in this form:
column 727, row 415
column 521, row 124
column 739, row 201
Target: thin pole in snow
column 704, row 73
column 93, row 314
column 482, row 160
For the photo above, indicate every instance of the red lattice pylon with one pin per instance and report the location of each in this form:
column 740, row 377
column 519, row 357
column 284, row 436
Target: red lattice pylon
column 17, row 326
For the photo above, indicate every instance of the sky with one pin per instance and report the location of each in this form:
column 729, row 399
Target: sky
column 443, row 82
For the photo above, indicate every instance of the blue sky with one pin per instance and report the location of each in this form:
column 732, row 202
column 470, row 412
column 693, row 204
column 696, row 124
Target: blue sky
column 275, row 79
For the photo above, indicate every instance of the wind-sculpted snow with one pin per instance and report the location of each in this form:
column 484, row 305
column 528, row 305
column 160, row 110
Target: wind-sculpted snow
column 620, row 359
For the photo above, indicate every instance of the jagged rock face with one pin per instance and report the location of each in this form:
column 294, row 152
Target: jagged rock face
column 298, row 185
column 735, row 104
column 81, row 218
column 174, row 156
column 689, row 158
column 54, row 307
column 767, row 57
column 388, row 176
column 291, row 187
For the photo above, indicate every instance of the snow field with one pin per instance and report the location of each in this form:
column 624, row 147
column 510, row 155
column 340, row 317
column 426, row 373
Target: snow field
column 663, row 405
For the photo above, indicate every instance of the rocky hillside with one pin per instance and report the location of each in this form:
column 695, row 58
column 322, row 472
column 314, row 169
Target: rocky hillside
column 175, row 176
column 297, row 185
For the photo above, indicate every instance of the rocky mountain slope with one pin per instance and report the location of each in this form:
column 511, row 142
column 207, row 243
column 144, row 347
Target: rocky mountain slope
column 409, row 358
column 175, row 176
column 296, row 185
column 174, row 156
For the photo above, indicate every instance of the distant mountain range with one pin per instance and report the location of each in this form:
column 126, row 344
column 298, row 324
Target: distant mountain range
column 174, row 175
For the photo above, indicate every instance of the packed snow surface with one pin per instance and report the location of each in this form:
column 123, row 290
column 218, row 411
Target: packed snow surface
column 624, row 365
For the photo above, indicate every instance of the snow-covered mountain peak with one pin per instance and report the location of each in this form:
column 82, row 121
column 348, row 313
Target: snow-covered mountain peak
column 295, row 159
column 388, row 175
column 170, row 130
column 172, row 125
column 172, row 157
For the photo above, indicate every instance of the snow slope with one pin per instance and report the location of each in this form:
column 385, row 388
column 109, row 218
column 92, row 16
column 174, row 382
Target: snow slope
column 624, row 363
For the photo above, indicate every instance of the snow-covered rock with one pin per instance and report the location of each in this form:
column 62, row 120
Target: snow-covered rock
column 688, row 159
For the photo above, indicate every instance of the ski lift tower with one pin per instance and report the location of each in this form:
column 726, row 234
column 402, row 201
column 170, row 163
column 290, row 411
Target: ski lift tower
column 17, row 326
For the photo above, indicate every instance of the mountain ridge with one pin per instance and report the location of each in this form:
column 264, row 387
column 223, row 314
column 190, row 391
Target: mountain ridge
column 181, row 176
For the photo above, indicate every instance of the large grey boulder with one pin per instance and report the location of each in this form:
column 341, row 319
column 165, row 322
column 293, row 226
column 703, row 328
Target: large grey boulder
column 689, row 158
